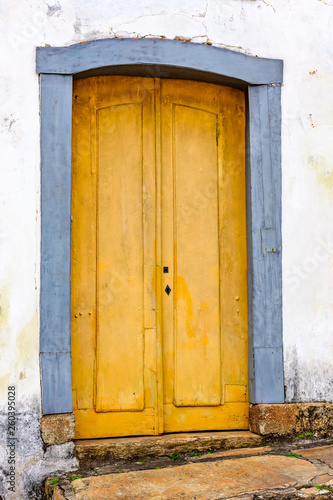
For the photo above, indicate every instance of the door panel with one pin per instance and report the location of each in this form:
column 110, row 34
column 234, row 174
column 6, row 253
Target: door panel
column 204, row 243
column 197, row 350
column 120, row 254
column 113, row 300
column 158, row 199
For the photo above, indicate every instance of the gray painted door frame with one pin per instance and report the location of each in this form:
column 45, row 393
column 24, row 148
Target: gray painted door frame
column 262, row 80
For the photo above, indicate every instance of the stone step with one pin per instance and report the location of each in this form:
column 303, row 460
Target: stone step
column 103, row 450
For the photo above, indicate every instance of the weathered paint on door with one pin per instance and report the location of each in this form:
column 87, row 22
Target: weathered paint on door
column 158, row 201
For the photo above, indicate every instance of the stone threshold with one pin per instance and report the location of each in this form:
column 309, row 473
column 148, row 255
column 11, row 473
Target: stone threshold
column 102, row 450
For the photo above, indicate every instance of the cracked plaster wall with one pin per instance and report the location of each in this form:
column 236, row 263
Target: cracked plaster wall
column 297, row 31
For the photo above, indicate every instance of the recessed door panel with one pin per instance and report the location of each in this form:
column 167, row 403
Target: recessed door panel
column 197, row 351
column 120, row 259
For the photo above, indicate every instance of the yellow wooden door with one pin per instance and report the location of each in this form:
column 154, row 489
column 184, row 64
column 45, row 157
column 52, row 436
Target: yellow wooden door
column 159, row 304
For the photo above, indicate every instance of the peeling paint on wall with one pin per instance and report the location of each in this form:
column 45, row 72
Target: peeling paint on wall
column 299, row 385
column 33, row 463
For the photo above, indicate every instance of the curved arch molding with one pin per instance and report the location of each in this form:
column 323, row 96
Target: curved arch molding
column 262, row 80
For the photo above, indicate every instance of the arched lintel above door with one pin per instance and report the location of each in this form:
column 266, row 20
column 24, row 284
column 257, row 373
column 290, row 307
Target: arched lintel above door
column 261, row 79
column 152, row 57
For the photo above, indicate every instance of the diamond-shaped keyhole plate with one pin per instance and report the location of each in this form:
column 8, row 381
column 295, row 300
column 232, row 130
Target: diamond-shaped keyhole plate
column 168, row 289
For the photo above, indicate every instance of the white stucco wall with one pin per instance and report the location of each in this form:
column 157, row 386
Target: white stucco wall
column 297, row 31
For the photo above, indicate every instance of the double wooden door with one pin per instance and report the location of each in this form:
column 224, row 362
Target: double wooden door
column 159, row 293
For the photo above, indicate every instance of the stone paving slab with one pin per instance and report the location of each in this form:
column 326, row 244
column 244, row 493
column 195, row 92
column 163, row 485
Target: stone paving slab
column 240, row 477
column 200, row 481
column 322, row 453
